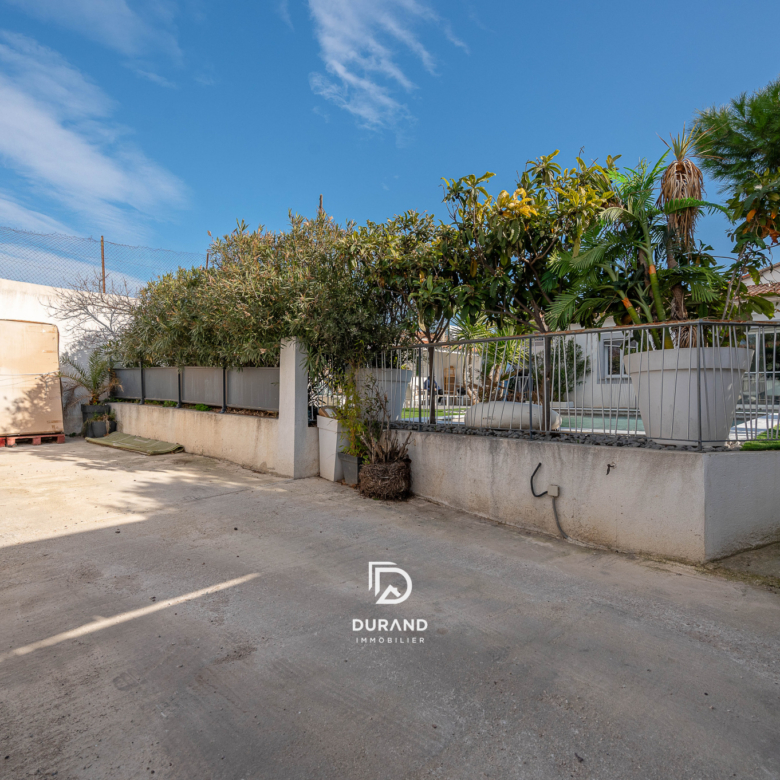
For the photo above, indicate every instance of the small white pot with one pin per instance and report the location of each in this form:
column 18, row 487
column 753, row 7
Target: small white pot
column 391, row 382
column 333, row 439
column 666, row 383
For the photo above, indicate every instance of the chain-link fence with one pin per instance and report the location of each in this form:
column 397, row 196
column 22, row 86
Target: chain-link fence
column 59, row 261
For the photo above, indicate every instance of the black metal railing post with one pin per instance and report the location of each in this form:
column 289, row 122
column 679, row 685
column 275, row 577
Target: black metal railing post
column 178, row 382
column 224, row 391
column 143, row 384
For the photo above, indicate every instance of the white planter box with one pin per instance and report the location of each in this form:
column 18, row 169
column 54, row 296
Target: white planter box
column 391, row 382
column 509, row 415
column 333, row 439
column 666, row 384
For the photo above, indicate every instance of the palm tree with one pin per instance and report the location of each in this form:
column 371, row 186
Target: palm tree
column 96, row 378
column 682, row 179
column 485, row 372
column 615, row 274
column 741, row 140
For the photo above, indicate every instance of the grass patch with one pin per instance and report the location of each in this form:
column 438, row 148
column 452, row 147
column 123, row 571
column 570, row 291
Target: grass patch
column 760, row 446
column 763, row 441
column 413, row 414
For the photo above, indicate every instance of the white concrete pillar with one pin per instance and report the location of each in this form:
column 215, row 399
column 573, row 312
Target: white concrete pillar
column 293, row 410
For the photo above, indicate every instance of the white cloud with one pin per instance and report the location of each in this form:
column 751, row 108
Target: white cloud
column 283, row 9
column 55, row 134
column 358, row 42
column 17, row 215
column 155, row 78
column 113, row 23
column 324, row 114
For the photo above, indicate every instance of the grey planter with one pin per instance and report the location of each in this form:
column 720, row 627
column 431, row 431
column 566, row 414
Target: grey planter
column 97, row 429
column 351, row 466
column 93, row 410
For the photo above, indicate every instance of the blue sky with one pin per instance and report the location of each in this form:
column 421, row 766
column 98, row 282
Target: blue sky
column 152, row 122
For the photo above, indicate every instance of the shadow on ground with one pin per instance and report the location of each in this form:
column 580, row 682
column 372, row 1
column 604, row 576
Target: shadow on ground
column 181, row 615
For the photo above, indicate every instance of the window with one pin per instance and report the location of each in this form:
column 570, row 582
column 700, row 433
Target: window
column 612, row 352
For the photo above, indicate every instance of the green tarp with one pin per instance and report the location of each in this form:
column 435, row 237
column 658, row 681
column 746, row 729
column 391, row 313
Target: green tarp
column 124, row 441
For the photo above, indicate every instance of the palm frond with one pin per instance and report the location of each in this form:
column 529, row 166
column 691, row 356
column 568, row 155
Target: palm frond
column 590, row 258
column 681, row 204
column 613, row 214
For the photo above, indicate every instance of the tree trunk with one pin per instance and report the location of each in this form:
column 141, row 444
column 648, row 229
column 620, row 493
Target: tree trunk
column 677, row 307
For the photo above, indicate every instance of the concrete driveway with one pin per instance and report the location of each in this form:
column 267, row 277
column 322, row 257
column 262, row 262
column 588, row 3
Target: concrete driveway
column 184, row 617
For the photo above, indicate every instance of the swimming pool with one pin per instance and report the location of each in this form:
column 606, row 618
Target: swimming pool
column 602, row 424
column 582, row 423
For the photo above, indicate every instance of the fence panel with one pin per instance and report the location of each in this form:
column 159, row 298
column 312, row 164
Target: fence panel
column 129, row 382
column 161, row 384
column 247, row 388
column 253, row 388
column 201, row 385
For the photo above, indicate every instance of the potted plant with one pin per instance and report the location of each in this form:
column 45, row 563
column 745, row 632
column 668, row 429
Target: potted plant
column 687, row 384
column 392, row 383
column 96, row 378
column 99, row 425
column 386, row 474
column 350, row 427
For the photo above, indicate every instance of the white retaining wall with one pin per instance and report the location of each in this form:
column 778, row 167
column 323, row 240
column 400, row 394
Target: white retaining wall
column 286, row 446
column 244, row 439
column 683, row 505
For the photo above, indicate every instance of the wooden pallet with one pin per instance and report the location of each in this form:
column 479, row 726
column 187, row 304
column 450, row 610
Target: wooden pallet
column 47, row 438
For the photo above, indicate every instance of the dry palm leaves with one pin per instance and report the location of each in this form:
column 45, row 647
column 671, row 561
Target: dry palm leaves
column 682, row 179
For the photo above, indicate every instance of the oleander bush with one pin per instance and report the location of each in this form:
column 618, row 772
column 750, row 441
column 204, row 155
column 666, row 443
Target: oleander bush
column 264, row 287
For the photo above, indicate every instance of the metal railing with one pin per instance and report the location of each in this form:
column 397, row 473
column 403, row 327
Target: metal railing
column 698, row 383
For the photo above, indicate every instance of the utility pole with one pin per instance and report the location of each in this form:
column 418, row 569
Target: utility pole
column 103, row 263
column 320, row 209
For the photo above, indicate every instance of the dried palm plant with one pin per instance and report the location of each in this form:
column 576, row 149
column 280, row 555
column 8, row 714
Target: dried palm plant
column 681, row 180
column 383, row 443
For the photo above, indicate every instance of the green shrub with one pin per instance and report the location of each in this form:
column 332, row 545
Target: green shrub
column 202, row 408
column 265, row 287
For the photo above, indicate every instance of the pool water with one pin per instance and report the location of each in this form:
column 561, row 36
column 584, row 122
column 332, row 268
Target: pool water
column 602, row 424
column 579, row 422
